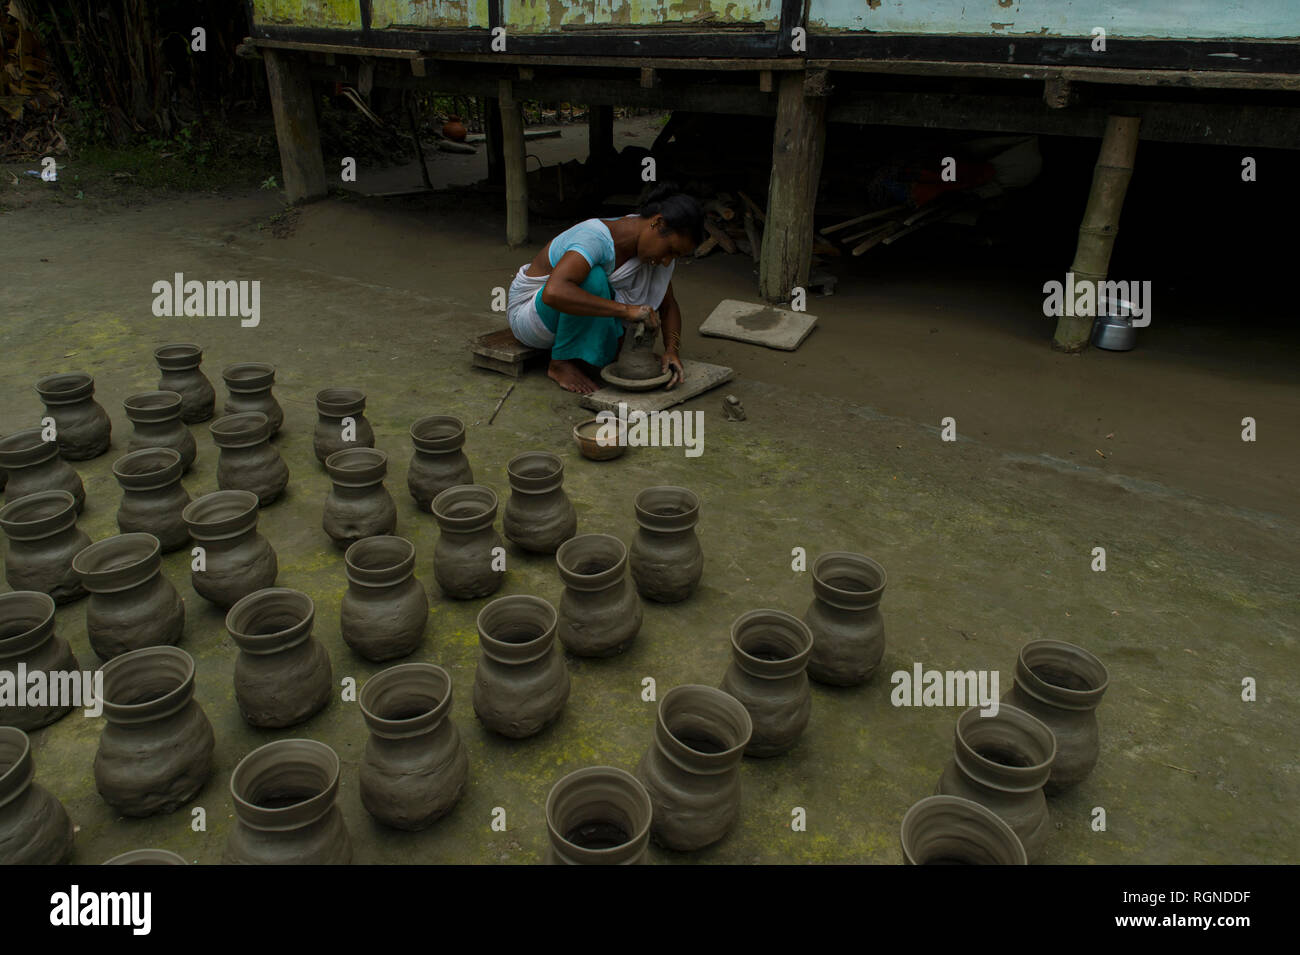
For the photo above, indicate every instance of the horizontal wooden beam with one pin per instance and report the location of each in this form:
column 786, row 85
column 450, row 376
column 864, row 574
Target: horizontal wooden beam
column 1275, row 127
column 1074, row 74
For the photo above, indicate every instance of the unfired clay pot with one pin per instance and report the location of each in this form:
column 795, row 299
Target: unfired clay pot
column 179, row 364
column 769, row 655
column 539, row 516
column 29, row 644
column 949, row 830
column 132, row 605
column 844, row 617
column 32, row 465
column 248, row 386
column 34, row 826
column 385, row 611
column 41, row 538
column 155, row 752
column 82, row 426
column 358, row 504
column 438, row 462
column 600, row 612
column 153, row 497
column 285, row 812
column 692, row 768
column 521, row 683
column 247, row 461
column 666, row 559
column 464, row 556
column 237, row 560
column 598, row 816
column 1062, row 685
column 157, row 419
column 1001, row 762
column 147, row 857
column 282, row 674
column 414, row 768
column 333, row 405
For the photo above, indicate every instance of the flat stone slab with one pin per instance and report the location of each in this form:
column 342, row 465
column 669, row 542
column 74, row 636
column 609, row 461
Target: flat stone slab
column 758, row 324
column 700, row 376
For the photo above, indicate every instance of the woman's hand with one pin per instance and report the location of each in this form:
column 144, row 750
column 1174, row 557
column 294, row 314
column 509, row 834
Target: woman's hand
column 671, row 361
column 643, row 313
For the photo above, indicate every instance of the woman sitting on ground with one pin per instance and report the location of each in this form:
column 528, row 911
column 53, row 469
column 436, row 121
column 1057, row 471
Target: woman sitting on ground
column 581, row 292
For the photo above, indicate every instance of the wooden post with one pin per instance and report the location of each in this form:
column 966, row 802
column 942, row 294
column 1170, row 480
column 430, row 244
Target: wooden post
column 600, row 135
column 301, row 162
column 496, row 163
column 512, row 144
column 797, row 145
column 1100, row 223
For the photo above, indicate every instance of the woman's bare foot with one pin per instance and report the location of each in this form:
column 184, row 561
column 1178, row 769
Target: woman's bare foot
column 570, row 377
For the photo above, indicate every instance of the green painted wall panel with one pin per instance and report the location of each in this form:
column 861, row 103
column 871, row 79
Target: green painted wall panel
column 541, row 16
column 444, row 14
column 321, row 14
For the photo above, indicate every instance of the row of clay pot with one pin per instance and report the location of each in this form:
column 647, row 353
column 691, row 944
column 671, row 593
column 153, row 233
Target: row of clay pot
column 991, row 805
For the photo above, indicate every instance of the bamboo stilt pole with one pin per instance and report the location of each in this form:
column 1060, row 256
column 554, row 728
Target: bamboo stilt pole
column 1100, row 223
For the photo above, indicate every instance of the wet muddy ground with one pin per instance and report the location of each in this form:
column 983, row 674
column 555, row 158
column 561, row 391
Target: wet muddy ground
column 988, row 540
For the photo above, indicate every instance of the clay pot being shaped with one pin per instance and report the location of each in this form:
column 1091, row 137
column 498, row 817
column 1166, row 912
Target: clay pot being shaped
column 949, row 830
column 33, row 465
column 438, row 462
column 358, row 504
column 414, row 768
column 29, row 644
column 82, row 427
column 247, row 461
column 539, row 516
column 333, row 433
column 41, row 538
column 282, row 673
column 34, row 826
column 147, row 857
column 132, row 605
column 1062, row 685
column 236, row 559
column 598, row 816
column 1001, row 762
column 600, row 613
column 521, row 683
column 153, row 497
column 469, row 548
column 385, row 611
column 636, row 358
column 666, row 559
column 692, row 768
column 844, row 617
column 155, row 752
column 179, row 364
column 157, row 419
column 248, row 387
column 285, row 813
column 769, row 656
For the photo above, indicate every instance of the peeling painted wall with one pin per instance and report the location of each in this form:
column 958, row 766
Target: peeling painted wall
column 1164, row 19
column 540, row 16
column 322, row 14
column 446, row 14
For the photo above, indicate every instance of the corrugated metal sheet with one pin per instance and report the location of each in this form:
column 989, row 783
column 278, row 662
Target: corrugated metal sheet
column 1158, row 19
column 444, row 14
column 322, row 14
column 539, row 16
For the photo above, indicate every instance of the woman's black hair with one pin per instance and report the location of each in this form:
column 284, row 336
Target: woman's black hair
column 681, row 212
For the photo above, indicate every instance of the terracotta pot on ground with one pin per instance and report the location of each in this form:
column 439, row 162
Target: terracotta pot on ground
column 83, row 429
column 285, row 813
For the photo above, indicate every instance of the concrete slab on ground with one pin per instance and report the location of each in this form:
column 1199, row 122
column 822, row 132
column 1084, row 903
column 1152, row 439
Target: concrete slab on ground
column 699, row 377
column 758, row 324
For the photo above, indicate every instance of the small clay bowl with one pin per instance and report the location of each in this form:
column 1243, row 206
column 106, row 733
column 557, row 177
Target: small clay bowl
column 585, row 433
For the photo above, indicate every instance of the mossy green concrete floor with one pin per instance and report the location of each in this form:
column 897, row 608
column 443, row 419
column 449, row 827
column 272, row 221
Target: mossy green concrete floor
column 985, row 550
